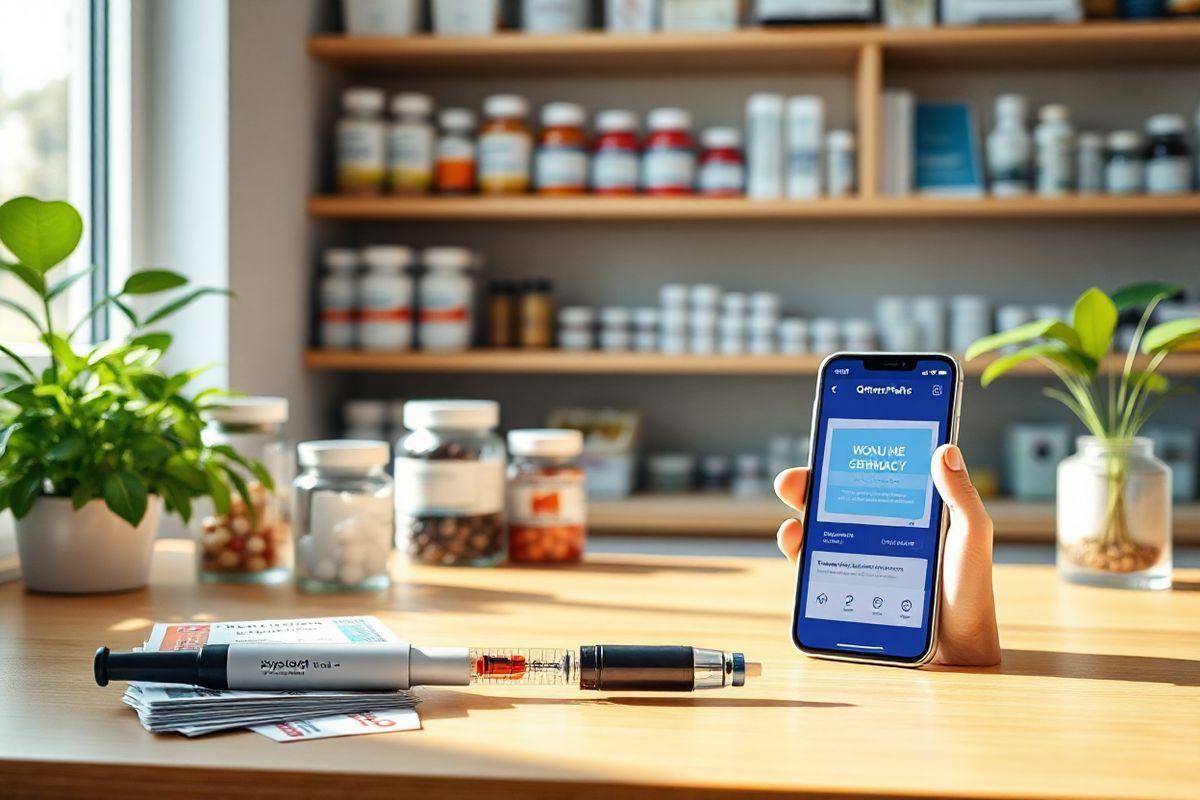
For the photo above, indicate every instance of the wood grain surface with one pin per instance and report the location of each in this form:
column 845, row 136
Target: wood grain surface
column 1098, row 695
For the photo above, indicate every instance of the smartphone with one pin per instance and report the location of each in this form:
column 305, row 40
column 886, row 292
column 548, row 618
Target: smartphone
column 869, row 575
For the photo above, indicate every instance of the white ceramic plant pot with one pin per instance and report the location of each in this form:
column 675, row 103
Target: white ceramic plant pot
column 89, row 550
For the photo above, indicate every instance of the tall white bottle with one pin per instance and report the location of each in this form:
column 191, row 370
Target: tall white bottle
column 1055, row 140
column 1009, row 149
column 764, row 146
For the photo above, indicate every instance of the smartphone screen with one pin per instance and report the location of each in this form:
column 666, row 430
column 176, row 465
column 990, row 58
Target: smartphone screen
column 873, row 518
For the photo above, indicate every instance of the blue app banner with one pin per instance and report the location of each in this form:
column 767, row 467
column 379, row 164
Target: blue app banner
column 876, row 472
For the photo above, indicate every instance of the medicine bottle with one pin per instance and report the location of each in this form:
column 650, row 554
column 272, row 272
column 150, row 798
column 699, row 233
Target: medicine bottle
column 722, row 168
column 385, row 295
column 535, row 318
column 505, row 145
column 1125, row 165
column 764, row 145
column 454, row 167
column 251, row 540
column 502, row 313
column 344, row 516
column 449, row 473
column 615, row 155
column 445, row 299
column 1055, row 141
column 1089, row 163
column 1009, row 148
column 560, row 167
column 556, row 16
column 1168, row 158
column 840, row 166
column 669, row 158
column 337, row 298
column 547, row 496
column 410, row 144
column 361, row 146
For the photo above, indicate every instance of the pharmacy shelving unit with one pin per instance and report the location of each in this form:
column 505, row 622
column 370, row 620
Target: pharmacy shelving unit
column 867, row 54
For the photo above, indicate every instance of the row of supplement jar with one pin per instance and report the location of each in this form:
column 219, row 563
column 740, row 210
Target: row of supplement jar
column 385, row 298
column 451, row 496
column 409, row 156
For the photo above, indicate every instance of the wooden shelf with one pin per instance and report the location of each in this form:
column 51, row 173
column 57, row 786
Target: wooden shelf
column 722, row 515
column 698, row 209
column 558, row 362
column 749, row 49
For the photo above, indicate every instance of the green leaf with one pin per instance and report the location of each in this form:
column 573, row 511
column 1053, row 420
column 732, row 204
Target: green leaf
column 178, row 498
column 126, row 496
column 1040, row 329
column 154, row 340
column 217, row 488
column 23, row 492
column 70, row 447
column 62, row 351
column 20, row 362
column 1152, row 381
column 40, row 234
column 68, row 282
column 82, row 494
column 1178, row 334
column 127, row 312
column 1094, row 320
column 1139, row 295
column 23, row 311
column 153, row 281
column 1053, row 351
column 243, row 491
column 27, row 275
column 6, row 435
column 180, row 303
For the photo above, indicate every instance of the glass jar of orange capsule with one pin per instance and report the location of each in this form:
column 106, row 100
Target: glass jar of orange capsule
column 547, row 497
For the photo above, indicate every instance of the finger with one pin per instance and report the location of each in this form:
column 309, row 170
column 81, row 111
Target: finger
column 791, row 486
column 790, row 537
column 954, row 485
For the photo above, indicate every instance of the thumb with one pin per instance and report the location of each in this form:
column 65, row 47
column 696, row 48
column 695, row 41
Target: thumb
column 953, row 483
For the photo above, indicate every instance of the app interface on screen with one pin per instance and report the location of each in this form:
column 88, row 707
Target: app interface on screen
column 873, row 523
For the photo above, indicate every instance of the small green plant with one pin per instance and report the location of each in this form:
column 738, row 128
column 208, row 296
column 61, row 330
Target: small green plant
column 103, row 421
column 1112, row 404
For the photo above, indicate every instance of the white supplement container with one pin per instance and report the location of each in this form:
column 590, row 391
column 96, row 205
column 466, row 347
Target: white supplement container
column 385, row 319
column 575, row 328
column 555, row 16
column 826, row 336
column 805, row 140
column 721, row 178
column 793, row 336
column 859, row 335
column 970, row 319
column 504, row 155
column 361, row 142
column 764, row 146
column 1168, row 173
column 465, row 17
column 630, row 16
column 343, row 515
column 446, row 299
column 1125, row 167
column 614, row 168
column 749, row 479
column 929, row 316
column 705, row 297
column 1055, row 140
column 668, row 169
column 410, row 144
column 1009, row 148
column 382, row 17
column 840, row 166
column 337, row 297
column 1089, row 163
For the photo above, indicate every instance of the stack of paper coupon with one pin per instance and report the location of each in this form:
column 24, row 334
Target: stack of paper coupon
column 282, row 716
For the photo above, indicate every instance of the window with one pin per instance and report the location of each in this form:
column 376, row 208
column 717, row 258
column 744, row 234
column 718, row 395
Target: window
column 49, row 115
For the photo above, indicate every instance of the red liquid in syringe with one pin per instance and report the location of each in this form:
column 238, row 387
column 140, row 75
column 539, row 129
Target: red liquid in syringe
column 511, row 667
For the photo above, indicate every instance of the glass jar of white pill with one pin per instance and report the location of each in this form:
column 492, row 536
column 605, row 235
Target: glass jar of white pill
column 343, row 515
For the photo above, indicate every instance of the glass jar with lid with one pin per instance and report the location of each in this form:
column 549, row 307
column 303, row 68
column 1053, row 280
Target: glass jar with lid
column 343, row 514
column 250, row 542
column 547, row 498
column 449, row 473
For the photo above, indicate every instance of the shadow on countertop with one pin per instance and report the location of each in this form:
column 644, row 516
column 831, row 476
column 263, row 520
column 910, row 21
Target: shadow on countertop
column 1100, row 667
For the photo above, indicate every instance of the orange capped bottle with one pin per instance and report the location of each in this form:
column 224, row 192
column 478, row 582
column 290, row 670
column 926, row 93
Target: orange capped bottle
column 561, row 164
column 505, row 145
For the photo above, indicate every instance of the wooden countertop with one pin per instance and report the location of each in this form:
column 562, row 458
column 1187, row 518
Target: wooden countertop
column 1098, row 695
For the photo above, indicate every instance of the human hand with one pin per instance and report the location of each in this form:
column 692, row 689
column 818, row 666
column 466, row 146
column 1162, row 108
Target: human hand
column 967, row 634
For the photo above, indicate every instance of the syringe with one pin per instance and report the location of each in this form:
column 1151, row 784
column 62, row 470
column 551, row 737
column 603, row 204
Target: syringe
column 399, row 665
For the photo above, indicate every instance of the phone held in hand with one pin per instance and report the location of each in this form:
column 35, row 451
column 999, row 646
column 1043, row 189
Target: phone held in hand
column 868, row 583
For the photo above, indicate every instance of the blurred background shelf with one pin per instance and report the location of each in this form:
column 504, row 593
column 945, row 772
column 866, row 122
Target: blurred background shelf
column 594, row 362
column 834, row 47
column 723, row 515
column 654, row 209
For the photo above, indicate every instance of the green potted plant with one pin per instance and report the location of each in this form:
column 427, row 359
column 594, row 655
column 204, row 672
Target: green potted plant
column 96, row 444
column 1113, row 495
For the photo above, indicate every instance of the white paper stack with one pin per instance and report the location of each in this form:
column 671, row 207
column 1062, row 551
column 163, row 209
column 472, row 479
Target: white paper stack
column 193, row 710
